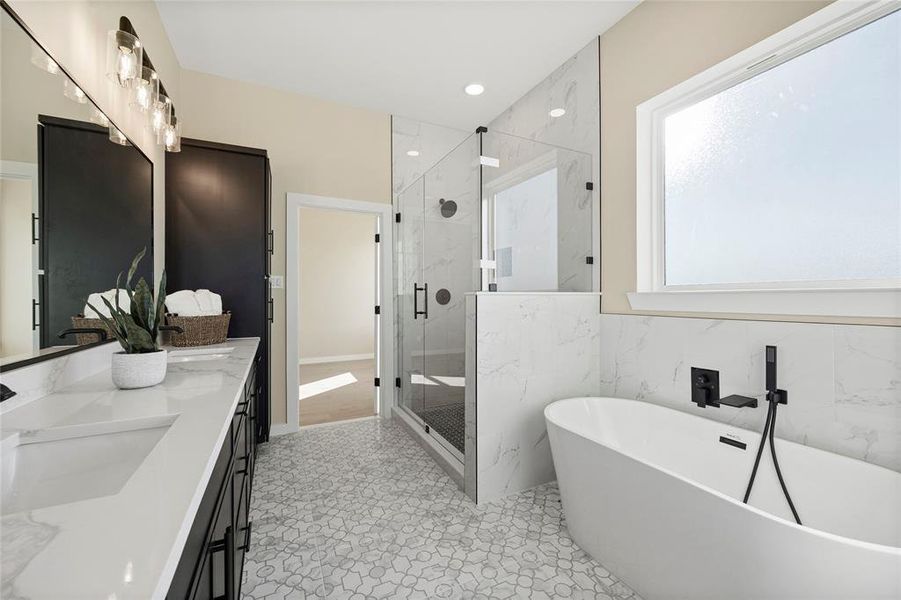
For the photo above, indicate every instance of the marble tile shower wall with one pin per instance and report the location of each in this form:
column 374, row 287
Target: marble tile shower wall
column 572, row 86
column 530, row 350
column 844, row 381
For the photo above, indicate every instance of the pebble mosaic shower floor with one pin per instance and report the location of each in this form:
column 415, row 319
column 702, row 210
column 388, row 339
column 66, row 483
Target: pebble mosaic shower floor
column 360, row 511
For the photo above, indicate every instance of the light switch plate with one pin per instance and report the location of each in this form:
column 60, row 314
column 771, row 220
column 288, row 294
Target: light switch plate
column 276, row 282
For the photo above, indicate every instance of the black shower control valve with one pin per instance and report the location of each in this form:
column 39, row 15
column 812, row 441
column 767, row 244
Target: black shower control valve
column 705, row 387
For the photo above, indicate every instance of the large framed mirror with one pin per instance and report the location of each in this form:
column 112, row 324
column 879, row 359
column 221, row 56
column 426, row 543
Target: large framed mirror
column 76, row 203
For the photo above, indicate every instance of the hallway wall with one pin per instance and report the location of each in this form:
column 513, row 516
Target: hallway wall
column 336, row 284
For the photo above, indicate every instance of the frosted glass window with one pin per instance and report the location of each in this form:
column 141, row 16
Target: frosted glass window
column 793, row 175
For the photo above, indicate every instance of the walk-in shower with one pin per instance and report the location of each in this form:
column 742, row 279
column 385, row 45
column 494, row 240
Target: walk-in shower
column 498, row 213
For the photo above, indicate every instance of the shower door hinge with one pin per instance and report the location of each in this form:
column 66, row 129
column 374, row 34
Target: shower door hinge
column 589, row 185
column 397, row 382
column 377, row 382
column 34, row 223
column 397, row 217
column 589, row 260
column 270, row 242
column 378, row 309
column 377, row 238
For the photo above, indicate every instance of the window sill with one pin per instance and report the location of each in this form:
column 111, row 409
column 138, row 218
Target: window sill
column 867, row 303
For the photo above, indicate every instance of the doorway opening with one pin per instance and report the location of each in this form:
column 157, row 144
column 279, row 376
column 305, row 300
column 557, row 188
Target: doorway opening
column 337, row 322
column 336, row 290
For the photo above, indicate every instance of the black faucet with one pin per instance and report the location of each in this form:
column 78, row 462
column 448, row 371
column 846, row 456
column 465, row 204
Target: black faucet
column 705, row 391
column 100, row 332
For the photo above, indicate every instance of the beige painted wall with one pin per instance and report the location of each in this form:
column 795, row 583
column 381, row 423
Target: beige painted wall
column 315, row 147
column 74, row 32
column 16, row 201
column 656, row 46
column 336, row 283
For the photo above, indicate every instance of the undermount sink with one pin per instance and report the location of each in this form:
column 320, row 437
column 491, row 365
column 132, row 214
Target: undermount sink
column 198, row 354
column 59, row 465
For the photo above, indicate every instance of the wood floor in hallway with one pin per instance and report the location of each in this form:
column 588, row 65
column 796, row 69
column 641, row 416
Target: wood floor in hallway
column 351, row 401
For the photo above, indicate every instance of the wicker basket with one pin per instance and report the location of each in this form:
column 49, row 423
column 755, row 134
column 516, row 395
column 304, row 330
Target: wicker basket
column 199, row 331
column 83, row 322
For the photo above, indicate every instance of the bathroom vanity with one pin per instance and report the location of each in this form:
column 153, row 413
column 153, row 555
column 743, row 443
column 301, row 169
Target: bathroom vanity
column 144, row 493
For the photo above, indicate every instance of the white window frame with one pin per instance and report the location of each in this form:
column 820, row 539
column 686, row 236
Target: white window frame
column 847, row 298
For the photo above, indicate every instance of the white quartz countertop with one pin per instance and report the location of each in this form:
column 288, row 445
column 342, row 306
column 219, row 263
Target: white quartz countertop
column 126, row 542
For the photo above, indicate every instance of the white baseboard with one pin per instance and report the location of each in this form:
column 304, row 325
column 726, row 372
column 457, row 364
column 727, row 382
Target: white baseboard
column 277, row 429
column 317, row 360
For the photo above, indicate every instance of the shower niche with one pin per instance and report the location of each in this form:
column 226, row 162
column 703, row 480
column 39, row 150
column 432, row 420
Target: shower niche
column 497, row 213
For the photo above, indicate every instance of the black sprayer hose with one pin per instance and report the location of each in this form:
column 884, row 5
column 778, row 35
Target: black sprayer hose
column 766, row 427
column 791, row 504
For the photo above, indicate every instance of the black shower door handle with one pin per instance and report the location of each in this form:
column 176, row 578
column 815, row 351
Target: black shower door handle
column 416, row 290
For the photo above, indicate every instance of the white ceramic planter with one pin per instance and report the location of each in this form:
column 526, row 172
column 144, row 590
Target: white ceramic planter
column 132, row 371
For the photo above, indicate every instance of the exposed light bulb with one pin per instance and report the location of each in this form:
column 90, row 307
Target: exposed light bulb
column 413, row 153
column 160, row 114
column 124, row 57
column 127, row 66
column 557, row 112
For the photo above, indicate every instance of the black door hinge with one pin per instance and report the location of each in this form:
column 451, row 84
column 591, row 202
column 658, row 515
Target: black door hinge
column 397, row 217
column 427, row 429
column 589, row 260
column 378, row 309
column 377, row 382
column 378, row 238
column 397, row 382
column 589, row 185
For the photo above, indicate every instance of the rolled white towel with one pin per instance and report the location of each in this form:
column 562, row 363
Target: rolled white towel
column 210, row 302
column 183, row 303
column 96, row 300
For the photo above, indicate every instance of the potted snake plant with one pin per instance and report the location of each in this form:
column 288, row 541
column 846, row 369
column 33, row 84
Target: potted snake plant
column 141, row 362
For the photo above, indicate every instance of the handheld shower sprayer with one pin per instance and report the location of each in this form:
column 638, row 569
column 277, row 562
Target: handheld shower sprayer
column 774, row 397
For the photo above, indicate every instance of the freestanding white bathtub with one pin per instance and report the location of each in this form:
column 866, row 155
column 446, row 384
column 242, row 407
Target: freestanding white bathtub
column 655, row 496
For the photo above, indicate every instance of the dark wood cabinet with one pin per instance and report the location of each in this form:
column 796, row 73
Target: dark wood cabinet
column 96, row 213
column 212, row 561
column 218, row 237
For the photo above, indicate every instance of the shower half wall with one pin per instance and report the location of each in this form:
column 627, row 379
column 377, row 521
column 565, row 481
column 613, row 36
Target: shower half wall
column 497, row 213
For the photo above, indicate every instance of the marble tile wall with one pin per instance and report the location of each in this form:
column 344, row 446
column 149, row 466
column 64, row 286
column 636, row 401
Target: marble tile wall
column 40, row 379
column 432, row 142
column 844, row 381
column 530, row 350
column 572, row 86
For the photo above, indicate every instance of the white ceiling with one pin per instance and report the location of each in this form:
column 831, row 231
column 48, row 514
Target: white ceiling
column 406, row 58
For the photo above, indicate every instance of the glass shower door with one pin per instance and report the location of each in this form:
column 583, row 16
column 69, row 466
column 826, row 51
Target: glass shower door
column 450, row 268
column 411, row 315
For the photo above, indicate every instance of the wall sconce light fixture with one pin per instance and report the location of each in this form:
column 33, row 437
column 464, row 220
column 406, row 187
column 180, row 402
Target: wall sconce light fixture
column 124, row 57
column 145, row 89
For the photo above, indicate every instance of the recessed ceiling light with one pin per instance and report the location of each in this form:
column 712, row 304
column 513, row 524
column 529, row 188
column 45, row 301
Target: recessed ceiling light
column 412, row 152
column 474, row 89
column 557, row 112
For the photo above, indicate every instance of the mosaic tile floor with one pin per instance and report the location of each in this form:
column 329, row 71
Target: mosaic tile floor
column 360, row 511
column 449, row 421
